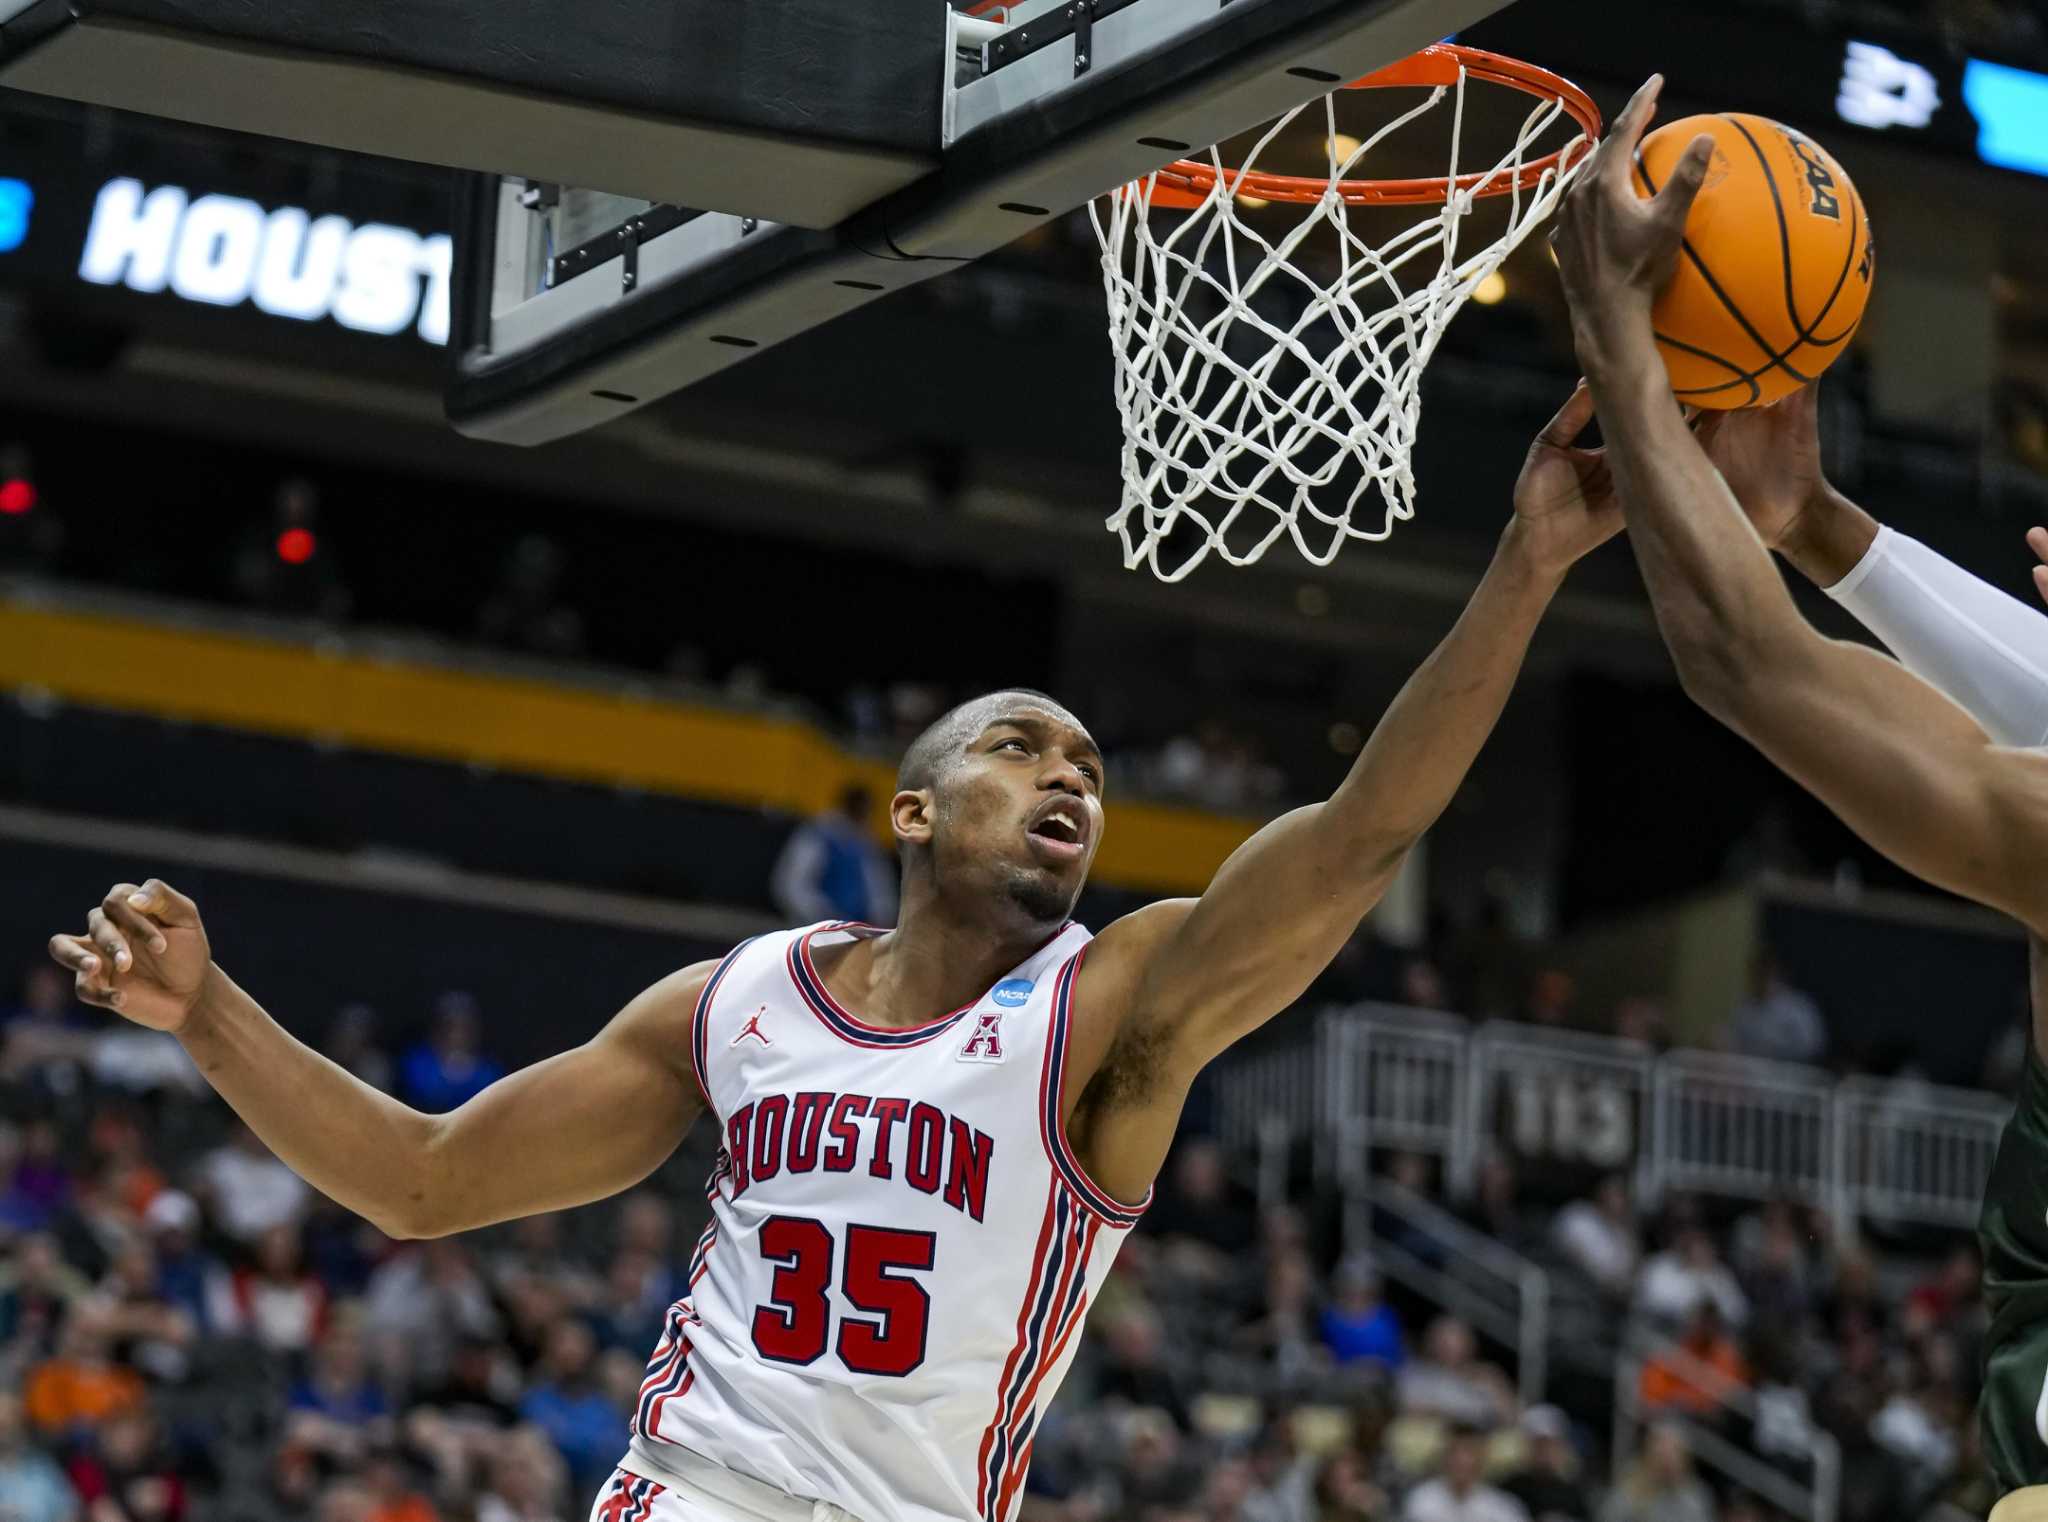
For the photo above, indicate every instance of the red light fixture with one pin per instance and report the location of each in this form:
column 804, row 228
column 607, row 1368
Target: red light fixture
column 17, row 497
column 296, row 546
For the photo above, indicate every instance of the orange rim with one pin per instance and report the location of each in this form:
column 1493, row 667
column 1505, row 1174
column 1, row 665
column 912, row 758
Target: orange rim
column 1186, row 183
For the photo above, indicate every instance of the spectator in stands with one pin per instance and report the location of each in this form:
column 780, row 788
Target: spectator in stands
column 143, row 1062
column 1134, row 1367
column 1660, row 1486
column 1700, row 1372
column 32, row 1487
column 41, row 1185
column 1855, row 1305
column 480, row 1390
column 187, row 1277
column 426, row 1299
column 1345, row 1491
column 1782, row 1430
column 1450, row 1382
column 1549, row 999
column 449, row 1068
column 45, row 1042
column 126, row 1473
column 1600, row 1236
column 1281, row 1477
column 1158, row 1470
column 1357, row 1324
column 1459, row 1494
column 1422, row 985
column 274, row 1301
column 1918, row 1425
column 154, row 1335
column 631, row 1313
column 1547, row 1482
column 72, row 1394
column 1770, row 1257
column 1674, row 1282
column 526, row 1481
column 1952, row 1295
column 567, row 1404
column 1495, row 1209
column 395, row 1496
column 1199, row 1215
column 1776, row 1021
column 337, row 1407
column 833, row 868
column 346, row 1500
column 97, row 1224
column 247, row 1191
column 1641, row 1018
column 352, row 1044
column 37, row 1292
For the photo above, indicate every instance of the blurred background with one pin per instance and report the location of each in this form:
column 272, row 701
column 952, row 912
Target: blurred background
column 1623, row 1167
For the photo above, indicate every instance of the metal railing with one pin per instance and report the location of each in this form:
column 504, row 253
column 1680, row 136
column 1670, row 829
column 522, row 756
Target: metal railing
column 1912, row 1152
column 1816, row 1499
column 1377, row 1077
column 1498, row 1292
column 1737, row 1126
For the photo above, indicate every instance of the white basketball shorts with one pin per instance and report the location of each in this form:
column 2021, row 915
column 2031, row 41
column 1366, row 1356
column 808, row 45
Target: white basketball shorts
column 690, row 1488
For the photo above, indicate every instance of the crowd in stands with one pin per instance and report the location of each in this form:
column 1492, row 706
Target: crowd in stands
column 188, row 1332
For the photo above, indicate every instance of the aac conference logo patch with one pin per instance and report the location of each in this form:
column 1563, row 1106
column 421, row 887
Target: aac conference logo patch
column 17, row 200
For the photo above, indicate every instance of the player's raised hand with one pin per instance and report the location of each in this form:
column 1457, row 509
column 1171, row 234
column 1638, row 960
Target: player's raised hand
column 1615, row 249
column 1565, row 504
column 143, row 955
column 1770, row 458
column 2037, row 541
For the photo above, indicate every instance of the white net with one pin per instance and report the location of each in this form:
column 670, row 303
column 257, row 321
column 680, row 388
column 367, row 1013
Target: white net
column 1271, row 385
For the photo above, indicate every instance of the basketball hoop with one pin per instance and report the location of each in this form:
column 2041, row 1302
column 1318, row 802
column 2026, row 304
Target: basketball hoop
column 1249, row 382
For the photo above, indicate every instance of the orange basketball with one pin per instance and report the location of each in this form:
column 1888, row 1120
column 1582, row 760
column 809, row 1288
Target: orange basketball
column 1777, row 264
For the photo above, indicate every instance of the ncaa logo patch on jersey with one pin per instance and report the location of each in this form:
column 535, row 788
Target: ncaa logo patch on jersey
column 986, row 1044
column 1012, row 993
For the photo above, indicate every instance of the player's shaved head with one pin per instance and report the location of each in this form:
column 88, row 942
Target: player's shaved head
column 942, row 744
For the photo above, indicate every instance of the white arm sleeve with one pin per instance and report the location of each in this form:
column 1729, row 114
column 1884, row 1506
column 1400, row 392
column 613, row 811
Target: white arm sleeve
column 1957, row 632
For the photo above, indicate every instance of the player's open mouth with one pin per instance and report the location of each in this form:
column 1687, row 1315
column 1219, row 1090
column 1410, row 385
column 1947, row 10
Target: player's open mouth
column 1059, row 830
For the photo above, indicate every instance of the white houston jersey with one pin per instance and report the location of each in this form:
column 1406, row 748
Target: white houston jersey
column 902, row 1246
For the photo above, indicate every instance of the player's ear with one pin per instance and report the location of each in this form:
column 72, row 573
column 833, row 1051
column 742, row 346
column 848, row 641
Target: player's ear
column 910, row 815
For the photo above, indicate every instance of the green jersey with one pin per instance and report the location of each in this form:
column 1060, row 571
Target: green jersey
column 2014, row 1229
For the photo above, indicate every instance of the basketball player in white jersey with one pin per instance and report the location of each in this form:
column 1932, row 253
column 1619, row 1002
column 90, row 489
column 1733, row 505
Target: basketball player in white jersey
column 1952, row 783
column 935, row 1137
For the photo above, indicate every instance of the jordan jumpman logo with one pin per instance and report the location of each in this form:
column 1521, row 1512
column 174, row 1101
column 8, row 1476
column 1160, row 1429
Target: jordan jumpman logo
column 753, row 1028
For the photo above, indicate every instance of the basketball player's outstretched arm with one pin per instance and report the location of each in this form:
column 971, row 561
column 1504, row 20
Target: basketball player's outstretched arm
column 1907, row 769
column 1195, row 977
column 1983, row 647
column 578, row 1127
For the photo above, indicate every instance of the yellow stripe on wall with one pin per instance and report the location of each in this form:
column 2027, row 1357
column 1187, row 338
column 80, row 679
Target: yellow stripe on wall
column 301, row 692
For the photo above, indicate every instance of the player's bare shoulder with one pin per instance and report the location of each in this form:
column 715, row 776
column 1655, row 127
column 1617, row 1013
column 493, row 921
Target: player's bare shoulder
column 1116, row 1031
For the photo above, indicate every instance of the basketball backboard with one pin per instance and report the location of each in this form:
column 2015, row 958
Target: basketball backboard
column 575, row 306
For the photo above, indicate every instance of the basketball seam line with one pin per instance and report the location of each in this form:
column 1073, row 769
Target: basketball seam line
column 1774, row 359
column 1784, row 231
column 1742, row 376
column 1805, row 330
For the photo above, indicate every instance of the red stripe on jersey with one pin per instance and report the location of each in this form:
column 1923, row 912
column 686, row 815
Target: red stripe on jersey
column 1021, row 1461
column 988, row 1438
column 689, row 1379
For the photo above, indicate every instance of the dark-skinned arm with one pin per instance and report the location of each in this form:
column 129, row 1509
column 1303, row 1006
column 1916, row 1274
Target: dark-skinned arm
column 614, row 1108
column 1193, row 976
column 1901, row 764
